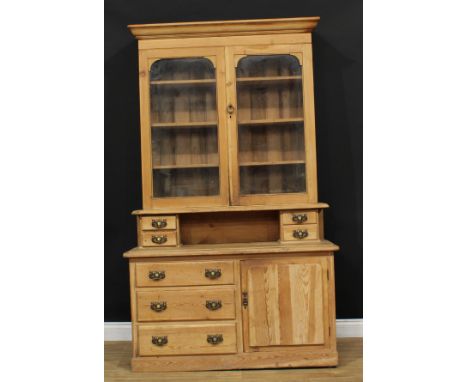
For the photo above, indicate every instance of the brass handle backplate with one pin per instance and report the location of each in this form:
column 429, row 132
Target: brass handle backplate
column 230, row 109
column 159, row 239
column 300, row 233
column 159, row 340
column 157, row 275
column 213, row 304
column 159, row 223
column 245, row 300
column 213, row 273
column 299, row 218
column 158, row 306
column 214, row 339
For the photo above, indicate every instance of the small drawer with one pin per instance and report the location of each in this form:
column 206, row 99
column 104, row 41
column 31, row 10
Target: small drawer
column 214, row 303
column 183, row 339
column 183, row 273
column 298, row 217
column 302, row 232
column 156, row 223
column 159, row 239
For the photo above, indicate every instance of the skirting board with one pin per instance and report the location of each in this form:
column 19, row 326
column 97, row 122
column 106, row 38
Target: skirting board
column 121, row 331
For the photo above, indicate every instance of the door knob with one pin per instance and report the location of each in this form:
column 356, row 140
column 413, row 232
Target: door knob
column 230, row 109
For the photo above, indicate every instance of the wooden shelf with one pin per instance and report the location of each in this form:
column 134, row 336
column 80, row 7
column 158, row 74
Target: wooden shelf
column 184, row 82
column 267, row 80
column 185, row 124
column 271, row 121
column 177, row 166
column 211, row 208
column 272, row 163
column 234, row 249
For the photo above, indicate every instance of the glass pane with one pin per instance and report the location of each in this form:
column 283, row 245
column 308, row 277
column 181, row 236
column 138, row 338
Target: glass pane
column 184, row 124
column 270, row 125
column 272, row 179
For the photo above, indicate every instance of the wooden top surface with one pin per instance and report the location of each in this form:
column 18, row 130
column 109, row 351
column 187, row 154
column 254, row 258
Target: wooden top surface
column 186, row 210
column 224, row 28
column 233, row 249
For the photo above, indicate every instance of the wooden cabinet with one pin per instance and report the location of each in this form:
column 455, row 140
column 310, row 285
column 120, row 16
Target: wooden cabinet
column 227, row 124
column 232, row 269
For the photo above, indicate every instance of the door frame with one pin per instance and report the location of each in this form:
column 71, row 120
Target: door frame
column 304, row 54
column 146, row 58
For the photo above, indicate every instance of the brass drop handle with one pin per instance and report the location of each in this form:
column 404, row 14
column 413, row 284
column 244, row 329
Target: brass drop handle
column 300, row 233
column 213, row 304
column 214, row 339
column 159, row 239
column 299, row 218
column 160, row 223
column 159, row 340
column 212, row 273
column 157, row 275
column 158, row 306
column 230, row 108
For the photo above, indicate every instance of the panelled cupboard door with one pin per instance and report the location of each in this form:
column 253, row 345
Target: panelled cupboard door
column 184, row 160
column 287, row 302
column 271, row 124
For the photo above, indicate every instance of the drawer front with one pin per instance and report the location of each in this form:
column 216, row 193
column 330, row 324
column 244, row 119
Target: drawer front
column 299, row 217
column 156, row 223
column 215, row 303
column 180, row 339
column 159, row 239
column 184, row 273
column 301, row 232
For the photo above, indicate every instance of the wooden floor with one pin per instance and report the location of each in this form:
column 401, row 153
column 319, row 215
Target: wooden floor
column 117, row 368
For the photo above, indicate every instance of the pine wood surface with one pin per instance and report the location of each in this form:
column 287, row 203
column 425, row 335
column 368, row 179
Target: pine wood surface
column 183, row 304
column 224, row 28
column 270, row 248
column 260, row 207
column 117, row 356
column 285, row 304
column 182, row 273
column 187, row 338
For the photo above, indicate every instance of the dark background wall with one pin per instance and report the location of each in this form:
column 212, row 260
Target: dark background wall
column 338, row 92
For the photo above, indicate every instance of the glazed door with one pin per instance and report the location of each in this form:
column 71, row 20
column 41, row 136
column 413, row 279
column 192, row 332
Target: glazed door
column 183, row 138
column 287, row 302
column 271, row 124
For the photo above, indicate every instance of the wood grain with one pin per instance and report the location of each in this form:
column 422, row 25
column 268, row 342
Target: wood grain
column 187, row 304
column 147, row 238
column 287, row 216
column 117, row 357
column 147, row 222
column 243, row 250
column 312, row 232
column 230, row 227
column 184, row 273
column 224, row 28
column 190, row 338
column 285, row 304
column 252, row 207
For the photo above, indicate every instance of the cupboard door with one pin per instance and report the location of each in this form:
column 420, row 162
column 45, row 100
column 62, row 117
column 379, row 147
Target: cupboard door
column 183, row 139
column 271, row 122
column 286, row 302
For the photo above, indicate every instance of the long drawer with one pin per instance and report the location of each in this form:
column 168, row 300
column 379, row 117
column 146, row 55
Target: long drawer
column 180, row 339
column 188, row 304
column 184, row 273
